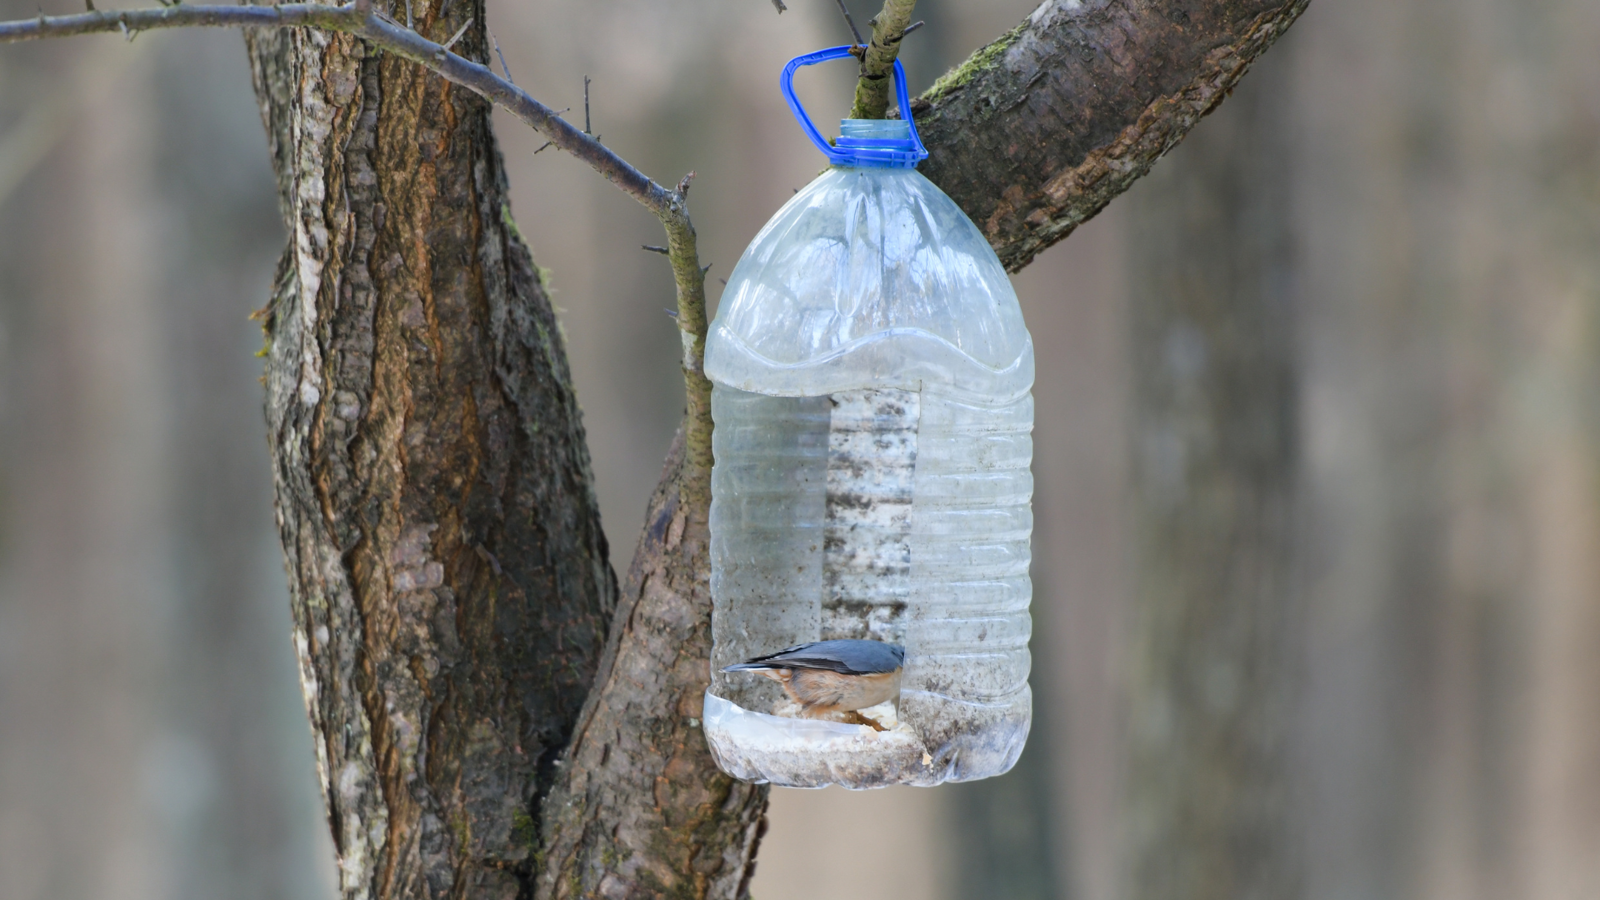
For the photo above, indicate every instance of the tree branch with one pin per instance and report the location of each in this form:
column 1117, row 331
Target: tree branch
column 877, row 60
column 1038, row 131
column 182, row 16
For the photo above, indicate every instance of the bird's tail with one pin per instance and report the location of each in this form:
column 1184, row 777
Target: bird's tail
column 749, row 667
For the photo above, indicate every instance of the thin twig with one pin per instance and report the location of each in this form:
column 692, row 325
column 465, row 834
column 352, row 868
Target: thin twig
column 854, row 31
column 654, row 249
column 457, row 36
column 586, row 128
column 913, row 27
column 507, row 69
column 334, row 18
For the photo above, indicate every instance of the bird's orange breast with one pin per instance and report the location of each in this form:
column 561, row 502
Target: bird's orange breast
column 819, row 690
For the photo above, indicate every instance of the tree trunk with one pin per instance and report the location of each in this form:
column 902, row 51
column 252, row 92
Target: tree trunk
column 447, row 571
column 450, row 586
column 643, row 811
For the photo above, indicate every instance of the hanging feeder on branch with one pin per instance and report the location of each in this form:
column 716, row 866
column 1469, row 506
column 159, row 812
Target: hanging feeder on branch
column 870, row 514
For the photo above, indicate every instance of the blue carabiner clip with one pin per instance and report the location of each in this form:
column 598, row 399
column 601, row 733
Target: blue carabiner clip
column 891, row 152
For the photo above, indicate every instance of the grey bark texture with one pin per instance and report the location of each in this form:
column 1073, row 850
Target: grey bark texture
column 491, row 720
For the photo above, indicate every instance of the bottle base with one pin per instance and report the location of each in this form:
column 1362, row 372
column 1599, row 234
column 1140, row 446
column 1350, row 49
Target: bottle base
column 813, row 753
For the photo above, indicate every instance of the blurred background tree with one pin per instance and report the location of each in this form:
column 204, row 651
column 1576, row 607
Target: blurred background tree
column 1318, row 543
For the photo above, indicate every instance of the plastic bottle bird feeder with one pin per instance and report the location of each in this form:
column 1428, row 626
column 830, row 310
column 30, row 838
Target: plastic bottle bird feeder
column 870, row 510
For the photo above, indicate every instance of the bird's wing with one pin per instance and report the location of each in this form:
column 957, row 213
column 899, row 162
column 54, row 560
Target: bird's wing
column 848, row 657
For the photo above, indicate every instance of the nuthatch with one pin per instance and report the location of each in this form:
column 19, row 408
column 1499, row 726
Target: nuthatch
column 834, row 676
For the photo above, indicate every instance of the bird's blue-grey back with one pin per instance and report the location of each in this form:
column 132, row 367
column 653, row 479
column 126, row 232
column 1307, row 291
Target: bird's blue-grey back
column 850, row 657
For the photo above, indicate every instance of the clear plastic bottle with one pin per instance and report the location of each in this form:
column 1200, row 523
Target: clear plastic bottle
column 872, row 399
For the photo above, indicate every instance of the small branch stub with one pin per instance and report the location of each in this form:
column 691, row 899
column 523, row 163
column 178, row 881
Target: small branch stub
column 445, row 47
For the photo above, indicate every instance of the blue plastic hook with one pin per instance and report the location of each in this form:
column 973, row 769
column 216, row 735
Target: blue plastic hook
column 891, row 152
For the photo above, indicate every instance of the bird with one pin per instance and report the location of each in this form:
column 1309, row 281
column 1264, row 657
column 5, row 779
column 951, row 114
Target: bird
column 828, row 677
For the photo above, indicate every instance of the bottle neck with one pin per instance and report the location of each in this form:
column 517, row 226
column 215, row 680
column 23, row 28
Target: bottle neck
column 877, row 143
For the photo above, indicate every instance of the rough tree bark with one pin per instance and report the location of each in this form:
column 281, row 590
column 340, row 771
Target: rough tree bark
column 448, row 572
column 1036, row 132
column 478, row 734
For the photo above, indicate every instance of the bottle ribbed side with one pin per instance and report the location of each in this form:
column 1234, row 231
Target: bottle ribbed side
column 971, row 527
column 962, row 613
